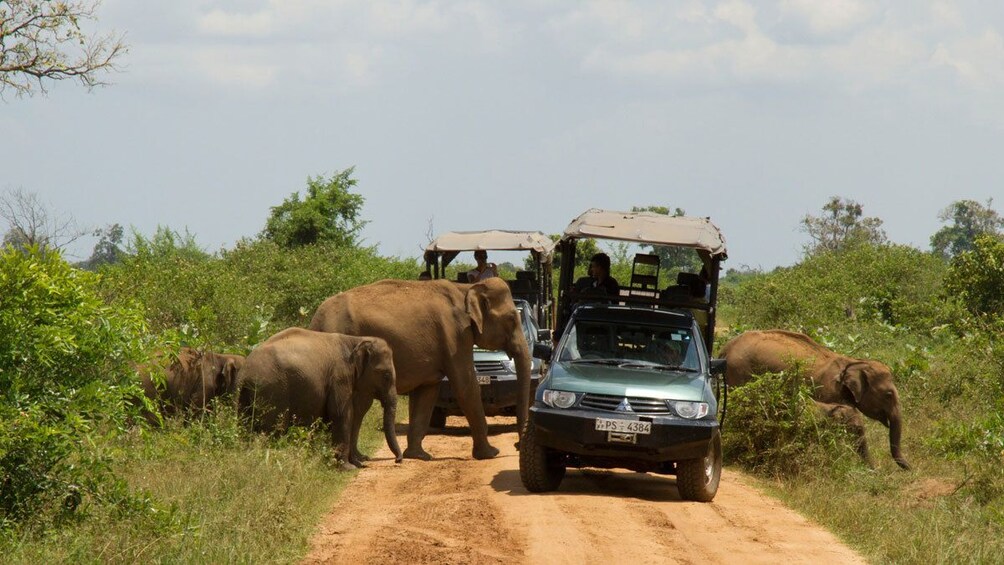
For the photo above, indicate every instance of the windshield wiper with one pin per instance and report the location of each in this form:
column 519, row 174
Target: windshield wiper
column 596, row 361
column 658, row 367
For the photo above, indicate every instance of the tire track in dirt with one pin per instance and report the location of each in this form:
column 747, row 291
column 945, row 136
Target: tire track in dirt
column 458, row 510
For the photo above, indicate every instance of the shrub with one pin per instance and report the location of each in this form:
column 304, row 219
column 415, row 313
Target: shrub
column 772, row 428
column 66, row 380
column 976, row 278
column 888, row 284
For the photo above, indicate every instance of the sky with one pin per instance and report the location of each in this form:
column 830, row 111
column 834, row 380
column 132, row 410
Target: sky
column 471, row 114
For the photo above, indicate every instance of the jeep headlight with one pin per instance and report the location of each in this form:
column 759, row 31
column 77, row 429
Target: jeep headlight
column 559, row 398
column 689, row 410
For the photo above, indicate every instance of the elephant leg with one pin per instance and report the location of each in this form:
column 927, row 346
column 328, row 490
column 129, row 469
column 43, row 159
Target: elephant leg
column 468, row 391
column 360, row 406
column 850, row 418
column 339, row 420
column 421, row 401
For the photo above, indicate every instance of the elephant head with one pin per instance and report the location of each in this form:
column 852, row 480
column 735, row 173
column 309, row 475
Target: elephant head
column 868, row 386
column 496, row 325
column 376, row 378
column 216, row 376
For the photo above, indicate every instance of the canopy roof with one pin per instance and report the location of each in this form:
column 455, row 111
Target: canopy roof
column 494, row 240
column 651, row 228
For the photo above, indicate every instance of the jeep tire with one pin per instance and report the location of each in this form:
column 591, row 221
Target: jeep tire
column 540, row 469
column 697, row 479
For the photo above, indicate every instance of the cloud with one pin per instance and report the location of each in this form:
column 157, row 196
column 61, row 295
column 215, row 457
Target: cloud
column 219, row 23
column 827, row 18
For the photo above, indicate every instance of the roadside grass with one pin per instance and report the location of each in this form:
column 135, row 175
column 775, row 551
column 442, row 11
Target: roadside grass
column 210, row 492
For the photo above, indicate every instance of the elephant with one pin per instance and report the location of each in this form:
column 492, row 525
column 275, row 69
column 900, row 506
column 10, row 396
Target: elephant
column 300, row 376
column 432, row 327
column 192, row 380
column 862, row 384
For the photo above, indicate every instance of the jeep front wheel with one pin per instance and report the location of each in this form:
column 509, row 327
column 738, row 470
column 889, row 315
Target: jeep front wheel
column 697, row 479
column 540, row 469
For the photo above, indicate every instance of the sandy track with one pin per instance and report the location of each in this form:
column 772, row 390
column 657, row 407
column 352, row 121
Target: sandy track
column 457, row 510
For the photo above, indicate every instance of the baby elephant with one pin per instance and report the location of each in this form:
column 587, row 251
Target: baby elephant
column 192, row 380
column 300, row 376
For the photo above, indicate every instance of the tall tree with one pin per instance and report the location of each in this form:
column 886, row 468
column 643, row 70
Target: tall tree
column 43, row 40
column 108, row 250
column 328, row 213
column 969, row 219
column 32, row 223
column 671, row 258
column 841, row 225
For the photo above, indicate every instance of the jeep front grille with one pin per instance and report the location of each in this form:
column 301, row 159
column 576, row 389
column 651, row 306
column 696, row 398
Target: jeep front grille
column 489, row 367
column 638, row 405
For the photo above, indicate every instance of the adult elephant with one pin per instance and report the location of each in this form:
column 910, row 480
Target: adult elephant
column 299, row 376
column 192, row 379
column 432, row 327
column 863, row 384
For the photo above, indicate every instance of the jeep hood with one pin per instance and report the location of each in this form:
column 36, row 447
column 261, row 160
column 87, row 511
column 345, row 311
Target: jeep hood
column 622, row 381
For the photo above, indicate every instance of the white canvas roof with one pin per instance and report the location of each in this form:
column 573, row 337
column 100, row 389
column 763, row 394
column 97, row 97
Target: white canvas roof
column 649, row 227
column 494, row 240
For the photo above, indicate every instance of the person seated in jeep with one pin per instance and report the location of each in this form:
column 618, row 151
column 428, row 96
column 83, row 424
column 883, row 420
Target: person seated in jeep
column 599, row 282
column 484, row 269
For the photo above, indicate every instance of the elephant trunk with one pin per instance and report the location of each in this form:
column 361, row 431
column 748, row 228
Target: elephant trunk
column 389, row 421
column 895, row 435
column 520, row 353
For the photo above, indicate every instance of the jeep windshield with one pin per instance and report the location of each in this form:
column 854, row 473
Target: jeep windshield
column 630, row 345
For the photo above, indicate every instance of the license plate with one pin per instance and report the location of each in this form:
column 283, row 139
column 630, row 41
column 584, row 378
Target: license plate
column 623, row 426
column 484, row 379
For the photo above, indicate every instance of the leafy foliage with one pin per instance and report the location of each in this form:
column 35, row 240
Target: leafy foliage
column 842, row 225
column 890, row 284
column 780, row 432
column 241, row 296
column 969, row 219
column 66, row 362
column 976, row 278
column 329, row 213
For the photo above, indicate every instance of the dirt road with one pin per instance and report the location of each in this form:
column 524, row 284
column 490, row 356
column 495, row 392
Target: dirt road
column 457, row 510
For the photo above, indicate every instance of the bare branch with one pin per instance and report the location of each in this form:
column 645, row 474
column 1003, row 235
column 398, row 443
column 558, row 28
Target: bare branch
column 42, row 40
column 31, row 222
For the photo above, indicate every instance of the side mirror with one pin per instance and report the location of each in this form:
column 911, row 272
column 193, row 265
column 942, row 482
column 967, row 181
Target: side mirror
column 544, row 336
column 718, row 366
column 542, row 351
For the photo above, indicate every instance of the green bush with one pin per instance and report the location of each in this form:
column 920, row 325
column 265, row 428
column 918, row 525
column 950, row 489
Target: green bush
column 976, row 278
column 66, row 381
column 239, row 297
column 888, row 284
column 773, row 428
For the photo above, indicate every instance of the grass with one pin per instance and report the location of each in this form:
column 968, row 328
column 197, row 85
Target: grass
column 210, row 492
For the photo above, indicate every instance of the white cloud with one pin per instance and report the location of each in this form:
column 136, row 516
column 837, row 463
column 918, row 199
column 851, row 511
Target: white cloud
column 828, row 17
column 220, row 23
column 236, row 67
column 978, row 62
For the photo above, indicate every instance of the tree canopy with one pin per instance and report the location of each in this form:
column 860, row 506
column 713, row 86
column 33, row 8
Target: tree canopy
column 841, row 225
column 328, row 213
column 969, row 219
column 41, row 41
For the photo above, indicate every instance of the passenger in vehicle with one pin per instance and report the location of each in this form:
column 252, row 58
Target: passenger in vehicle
column 484, row 270
column 599, row 281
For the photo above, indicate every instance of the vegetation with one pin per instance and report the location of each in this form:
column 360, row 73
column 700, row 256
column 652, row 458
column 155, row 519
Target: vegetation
column 969, row 220
column 329, row 213
column 842, row 224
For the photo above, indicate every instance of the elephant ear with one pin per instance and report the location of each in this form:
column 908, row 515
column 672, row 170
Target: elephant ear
column 476, row 303
column 227, row 376
column 361, row 357
column 855, row 379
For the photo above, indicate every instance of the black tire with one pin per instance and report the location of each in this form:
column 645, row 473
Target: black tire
column 540, row 469
column 438, row 420
column 697, row 479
